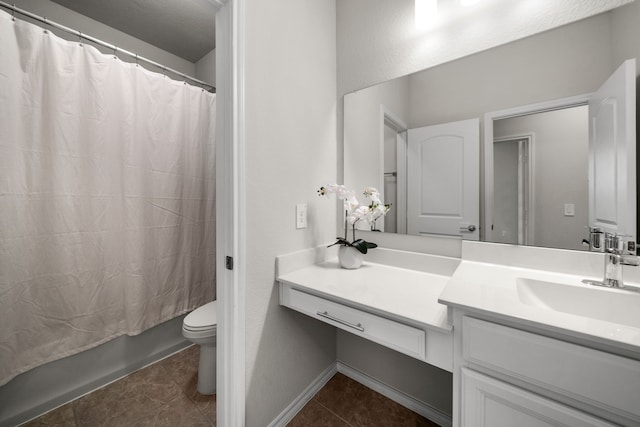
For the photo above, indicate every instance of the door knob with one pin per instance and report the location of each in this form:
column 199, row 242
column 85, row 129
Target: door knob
column 471, row 228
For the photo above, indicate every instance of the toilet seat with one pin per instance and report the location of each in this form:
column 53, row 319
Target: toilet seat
column 202, row 318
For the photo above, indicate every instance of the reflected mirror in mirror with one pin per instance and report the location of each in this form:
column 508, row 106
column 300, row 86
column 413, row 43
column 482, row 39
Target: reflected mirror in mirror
column 422, row 140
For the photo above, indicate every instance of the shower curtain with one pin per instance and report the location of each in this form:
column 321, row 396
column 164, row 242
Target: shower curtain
column 107, row 190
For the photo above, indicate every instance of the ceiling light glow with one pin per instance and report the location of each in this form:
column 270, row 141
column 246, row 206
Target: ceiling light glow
column 426, row 13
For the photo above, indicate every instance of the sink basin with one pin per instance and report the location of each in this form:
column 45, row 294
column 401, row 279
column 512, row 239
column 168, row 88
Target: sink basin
column 611, row 305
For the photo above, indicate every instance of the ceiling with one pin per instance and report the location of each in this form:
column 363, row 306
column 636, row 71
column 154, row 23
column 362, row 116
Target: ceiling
column 183, row 27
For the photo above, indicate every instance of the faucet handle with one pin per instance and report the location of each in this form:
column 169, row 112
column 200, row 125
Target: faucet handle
column 629, row 247
column 612, row 242
column 596, row 239
column 625, row 246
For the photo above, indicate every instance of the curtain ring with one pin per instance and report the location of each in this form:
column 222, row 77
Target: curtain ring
column 115, row 50
column 46, row 23
column 13, row 12
column 79, row 38
column 137, row 65
column 164, row 71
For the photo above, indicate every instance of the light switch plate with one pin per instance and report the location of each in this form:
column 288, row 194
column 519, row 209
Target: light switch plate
column 301, row 215
column 569, row 209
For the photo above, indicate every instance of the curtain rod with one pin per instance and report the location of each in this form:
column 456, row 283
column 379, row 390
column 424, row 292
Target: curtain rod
column 116, row 49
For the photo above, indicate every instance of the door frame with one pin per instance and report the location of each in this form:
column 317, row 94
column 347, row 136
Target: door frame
column 388, row 118
column 487, row 161
column 526, row 187
column 230, row 213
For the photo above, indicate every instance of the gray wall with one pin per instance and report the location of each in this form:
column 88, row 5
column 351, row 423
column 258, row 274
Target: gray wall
column 290, row 151
column 378, row 41
column 76, row 21
column 560, row 171
column 362, row 133
column 430, row 385
column 205, row 68
column 570, row 60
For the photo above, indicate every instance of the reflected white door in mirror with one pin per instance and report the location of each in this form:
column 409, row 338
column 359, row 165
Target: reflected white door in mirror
column 443, row 192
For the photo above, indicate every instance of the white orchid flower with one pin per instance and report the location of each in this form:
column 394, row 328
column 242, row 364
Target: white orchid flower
column 373, row 193
column 360, row 213
column 351, row 203
column 343, row 193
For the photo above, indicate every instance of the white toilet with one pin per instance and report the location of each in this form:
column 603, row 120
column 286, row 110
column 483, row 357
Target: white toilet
column 200, row 327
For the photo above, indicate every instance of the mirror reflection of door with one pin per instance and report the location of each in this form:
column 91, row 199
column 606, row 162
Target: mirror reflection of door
column 443, row 180
column 612, row 149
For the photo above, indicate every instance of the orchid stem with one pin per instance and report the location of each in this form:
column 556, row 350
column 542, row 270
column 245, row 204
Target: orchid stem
column 346, row 235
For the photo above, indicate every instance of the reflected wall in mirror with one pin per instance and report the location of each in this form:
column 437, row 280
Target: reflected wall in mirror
column 569, row 62
column 540, row 179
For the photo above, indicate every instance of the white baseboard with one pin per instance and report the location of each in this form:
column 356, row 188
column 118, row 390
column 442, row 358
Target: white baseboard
column 397, row 396
column 298, row 403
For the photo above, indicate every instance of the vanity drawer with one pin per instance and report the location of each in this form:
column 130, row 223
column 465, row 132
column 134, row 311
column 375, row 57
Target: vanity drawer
column 398, row 336
column 602, row 380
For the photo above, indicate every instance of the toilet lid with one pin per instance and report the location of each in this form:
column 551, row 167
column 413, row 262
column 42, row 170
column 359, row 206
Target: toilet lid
column 204, row 317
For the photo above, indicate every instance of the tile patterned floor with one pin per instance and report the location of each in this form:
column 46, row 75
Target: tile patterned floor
column 343, row 402
column 163, row 394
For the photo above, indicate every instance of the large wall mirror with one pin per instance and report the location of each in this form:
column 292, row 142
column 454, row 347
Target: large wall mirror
column 530, row 143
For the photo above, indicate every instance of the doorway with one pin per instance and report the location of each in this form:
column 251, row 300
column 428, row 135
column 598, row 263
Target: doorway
column 512, row 183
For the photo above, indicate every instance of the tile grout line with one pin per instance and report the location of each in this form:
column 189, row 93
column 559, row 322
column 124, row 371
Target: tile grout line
column 330, row 411
column 173, row 379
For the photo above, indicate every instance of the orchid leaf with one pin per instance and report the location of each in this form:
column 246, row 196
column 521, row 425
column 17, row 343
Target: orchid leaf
column 360, row 245
column 341, row 241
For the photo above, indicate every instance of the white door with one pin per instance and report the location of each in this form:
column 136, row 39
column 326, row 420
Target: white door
column 612, row 153
column 443, row 180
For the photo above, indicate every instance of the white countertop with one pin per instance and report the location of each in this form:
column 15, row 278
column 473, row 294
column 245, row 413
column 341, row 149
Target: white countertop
column 417, row 288
column 491, row 289
column 403, row 294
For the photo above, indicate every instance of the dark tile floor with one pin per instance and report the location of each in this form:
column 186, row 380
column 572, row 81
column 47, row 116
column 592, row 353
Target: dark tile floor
column 163, row 394
column 343, row 402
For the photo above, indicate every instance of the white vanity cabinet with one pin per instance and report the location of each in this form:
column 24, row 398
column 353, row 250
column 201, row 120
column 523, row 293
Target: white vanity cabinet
column 507, row 376
column 394, row 307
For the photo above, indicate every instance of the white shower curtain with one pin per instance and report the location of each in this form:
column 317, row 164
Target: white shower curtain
column 106, row 197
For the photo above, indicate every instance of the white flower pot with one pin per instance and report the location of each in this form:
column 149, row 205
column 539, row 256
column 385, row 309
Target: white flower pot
column 349, row 257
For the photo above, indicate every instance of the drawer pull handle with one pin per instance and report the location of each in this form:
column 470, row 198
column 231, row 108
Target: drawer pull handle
column 326, row 315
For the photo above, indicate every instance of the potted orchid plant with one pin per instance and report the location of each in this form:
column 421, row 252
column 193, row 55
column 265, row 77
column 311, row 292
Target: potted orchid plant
column 351, row 253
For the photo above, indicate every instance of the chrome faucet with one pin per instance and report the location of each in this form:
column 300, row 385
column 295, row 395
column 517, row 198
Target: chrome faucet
column 618, row 252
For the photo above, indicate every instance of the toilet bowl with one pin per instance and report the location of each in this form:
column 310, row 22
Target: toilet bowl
column 200, row 327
